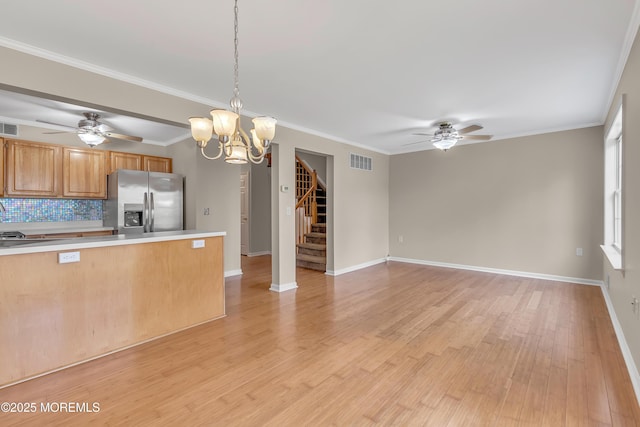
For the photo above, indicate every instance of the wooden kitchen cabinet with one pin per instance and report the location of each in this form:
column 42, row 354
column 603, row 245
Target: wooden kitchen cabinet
column 156, row 164
column 138, row 162
column 32, row 169
column 84, row 173
column 118, row 160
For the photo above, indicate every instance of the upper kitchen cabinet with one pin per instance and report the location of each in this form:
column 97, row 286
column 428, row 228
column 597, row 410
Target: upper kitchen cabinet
column 84, row 173
column 118, row 160
column 138, row 162
column 157, row 164
column 32, row 169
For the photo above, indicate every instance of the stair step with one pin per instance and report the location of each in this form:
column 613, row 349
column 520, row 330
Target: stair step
column 311, row 262
column 322, row 226
column 312, row 258
column 312, row 249
column 319, row 238
column 314, row 246
column 311, row 265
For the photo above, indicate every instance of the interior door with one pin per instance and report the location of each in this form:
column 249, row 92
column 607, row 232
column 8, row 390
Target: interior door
column 244, row 213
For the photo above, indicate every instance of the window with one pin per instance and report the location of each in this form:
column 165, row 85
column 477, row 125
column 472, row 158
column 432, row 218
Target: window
column 617, row 197
column 614, row 191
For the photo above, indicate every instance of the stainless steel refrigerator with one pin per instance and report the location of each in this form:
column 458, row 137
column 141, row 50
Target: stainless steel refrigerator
column 142, row 202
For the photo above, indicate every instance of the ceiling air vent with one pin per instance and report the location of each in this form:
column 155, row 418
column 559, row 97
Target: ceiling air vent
column 8, row 129
column 361, row 162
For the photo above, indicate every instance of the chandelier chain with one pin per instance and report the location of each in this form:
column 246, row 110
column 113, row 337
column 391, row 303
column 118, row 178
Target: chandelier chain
column 236, row 79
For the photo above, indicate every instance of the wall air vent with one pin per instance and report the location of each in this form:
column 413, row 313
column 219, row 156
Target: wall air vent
column 8, row 129
column 361, row 162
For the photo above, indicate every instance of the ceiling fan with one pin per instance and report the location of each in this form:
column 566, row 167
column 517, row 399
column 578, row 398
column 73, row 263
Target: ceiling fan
column 446, row 136
column 92, row 132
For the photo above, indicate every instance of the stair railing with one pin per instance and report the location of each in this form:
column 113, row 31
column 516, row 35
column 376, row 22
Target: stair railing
column 306, row 186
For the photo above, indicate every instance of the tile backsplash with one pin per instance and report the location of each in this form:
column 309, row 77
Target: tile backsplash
column 50, row 210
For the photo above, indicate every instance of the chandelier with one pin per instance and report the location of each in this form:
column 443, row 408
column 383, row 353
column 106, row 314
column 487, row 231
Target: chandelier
column 233, row 141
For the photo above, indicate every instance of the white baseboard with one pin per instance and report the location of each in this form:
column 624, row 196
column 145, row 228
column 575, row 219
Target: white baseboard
column 283, row 287
column 231, row 273
column 555, row 278
column 355, row 267
column 252, row 254
column 624, row 347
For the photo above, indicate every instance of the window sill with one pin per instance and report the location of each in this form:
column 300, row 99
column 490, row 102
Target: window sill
column 614, row 257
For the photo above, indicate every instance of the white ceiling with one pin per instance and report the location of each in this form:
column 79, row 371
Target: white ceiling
column 365, row 72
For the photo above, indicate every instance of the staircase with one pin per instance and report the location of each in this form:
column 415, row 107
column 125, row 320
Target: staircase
column 311, row 218
column 312, row 254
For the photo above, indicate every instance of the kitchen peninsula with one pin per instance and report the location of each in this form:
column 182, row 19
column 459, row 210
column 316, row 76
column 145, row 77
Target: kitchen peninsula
column 67, row 301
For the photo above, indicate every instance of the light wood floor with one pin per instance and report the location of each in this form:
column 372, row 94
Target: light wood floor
column 394, row 344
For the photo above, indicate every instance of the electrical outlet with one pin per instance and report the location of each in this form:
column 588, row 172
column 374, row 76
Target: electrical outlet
column 67, row 257
column 401, row 239
column 195, row 244
column 578, row 251
column 206, row 211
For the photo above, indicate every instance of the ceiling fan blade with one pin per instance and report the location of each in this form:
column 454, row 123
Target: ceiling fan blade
column 478, row 137
column 468, row 129
column 120, row 136
column 422, row 134
column 55, row 124
column 51, row 133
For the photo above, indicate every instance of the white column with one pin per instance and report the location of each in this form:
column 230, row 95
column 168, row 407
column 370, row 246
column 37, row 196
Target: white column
column 283, row 249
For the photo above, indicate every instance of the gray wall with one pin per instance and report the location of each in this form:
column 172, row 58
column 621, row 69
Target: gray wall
column 522, row 204
column 260, row 208
column 624, row 285
column 361, row 211
column 315, row 162
column 358, row 203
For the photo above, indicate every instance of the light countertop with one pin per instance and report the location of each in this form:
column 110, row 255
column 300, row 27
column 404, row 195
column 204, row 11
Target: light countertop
column 103, row 241
column 54, row 227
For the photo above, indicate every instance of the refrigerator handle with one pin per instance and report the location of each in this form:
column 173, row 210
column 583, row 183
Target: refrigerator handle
column 153, row 212
column 145, row 213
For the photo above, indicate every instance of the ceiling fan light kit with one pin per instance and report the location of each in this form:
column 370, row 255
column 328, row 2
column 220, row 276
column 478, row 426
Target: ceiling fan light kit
column 445, row 143
column 91, row 139
column 92, row 132
column 446, row 136
column 233, row 141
